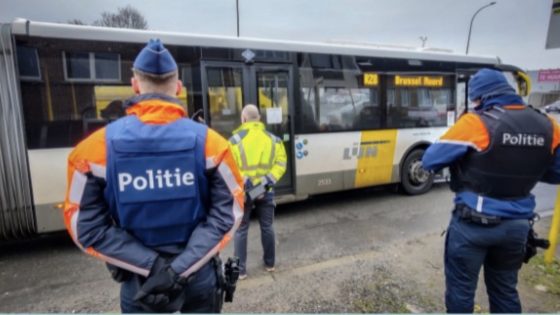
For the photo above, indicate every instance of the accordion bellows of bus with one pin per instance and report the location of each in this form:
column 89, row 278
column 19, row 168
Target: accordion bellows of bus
column 350, row 115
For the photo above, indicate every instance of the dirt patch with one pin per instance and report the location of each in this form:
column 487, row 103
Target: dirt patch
column 541, row 284
column 399, row 278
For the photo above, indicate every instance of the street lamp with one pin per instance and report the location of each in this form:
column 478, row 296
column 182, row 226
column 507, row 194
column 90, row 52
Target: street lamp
column 472, row 19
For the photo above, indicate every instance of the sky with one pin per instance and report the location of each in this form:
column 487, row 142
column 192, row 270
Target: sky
column 514, row 30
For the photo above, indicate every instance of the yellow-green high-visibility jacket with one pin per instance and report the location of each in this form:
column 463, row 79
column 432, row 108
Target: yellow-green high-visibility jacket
column 258, row 153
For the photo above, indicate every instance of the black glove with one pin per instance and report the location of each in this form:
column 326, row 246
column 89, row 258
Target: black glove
column 163, row 289
column 118, row 274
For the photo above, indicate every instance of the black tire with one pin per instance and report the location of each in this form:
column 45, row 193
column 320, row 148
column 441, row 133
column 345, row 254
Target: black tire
column 414, row 179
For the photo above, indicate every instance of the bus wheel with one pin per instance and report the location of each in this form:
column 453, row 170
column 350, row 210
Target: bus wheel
column 414, row 179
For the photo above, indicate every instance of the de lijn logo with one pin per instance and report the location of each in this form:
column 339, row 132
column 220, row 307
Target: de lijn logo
column 364, row 149
column 300, row 149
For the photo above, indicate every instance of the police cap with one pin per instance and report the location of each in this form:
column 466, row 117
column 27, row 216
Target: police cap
column 155, row 59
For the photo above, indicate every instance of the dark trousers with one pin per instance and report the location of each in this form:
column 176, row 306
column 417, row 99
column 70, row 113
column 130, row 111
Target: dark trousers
column 200, row 292
column 499, row 248
column 265, row 212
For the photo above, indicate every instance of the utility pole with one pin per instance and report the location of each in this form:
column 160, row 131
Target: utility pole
column 237, row 14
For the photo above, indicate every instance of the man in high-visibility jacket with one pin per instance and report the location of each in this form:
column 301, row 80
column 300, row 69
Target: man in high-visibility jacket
column 156, row 196
column 261, row 158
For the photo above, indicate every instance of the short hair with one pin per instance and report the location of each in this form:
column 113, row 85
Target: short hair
column 156, row 79
column 251, row 113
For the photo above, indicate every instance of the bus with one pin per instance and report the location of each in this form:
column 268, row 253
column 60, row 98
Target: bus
column 350, row 115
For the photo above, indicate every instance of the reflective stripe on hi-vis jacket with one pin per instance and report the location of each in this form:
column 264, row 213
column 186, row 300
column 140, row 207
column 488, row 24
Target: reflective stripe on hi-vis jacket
column 156, row 182
column 258, row 153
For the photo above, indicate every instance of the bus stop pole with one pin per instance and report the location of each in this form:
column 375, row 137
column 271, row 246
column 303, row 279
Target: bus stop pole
column 554, row 229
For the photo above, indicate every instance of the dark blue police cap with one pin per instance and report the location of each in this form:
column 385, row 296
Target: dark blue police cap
column 155, row 59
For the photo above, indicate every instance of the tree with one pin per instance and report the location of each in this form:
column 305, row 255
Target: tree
column 127, row 17
column 76, row 22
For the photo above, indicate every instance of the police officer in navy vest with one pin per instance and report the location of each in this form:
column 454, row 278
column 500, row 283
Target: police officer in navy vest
column 156, row 196
column 496, row 154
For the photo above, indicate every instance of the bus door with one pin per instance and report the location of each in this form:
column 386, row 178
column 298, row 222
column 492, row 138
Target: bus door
column 227, row 86
column 270, row 90
column 462, row 100
column 463, row 103
column 224, row 93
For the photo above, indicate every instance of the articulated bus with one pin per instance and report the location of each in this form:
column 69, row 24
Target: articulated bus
column 350, row 115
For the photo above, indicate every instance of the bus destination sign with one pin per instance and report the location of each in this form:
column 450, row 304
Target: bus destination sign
column 428, row 81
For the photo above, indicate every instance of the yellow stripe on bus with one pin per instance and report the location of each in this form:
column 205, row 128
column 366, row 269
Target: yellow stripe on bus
column 375, row 157
column 105, row 94
column 49, row 97
column 74, row 102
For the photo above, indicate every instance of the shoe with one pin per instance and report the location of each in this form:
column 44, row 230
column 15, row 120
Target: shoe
column 270, row 269
column 242, row 276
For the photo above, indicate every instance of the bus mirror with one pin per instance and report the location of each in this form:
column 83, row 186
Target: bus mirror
column 523, row 83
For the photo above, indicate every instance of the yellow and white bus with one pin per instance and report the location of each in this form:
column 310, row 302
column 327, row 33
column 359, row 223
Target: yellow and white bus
column 350, row 115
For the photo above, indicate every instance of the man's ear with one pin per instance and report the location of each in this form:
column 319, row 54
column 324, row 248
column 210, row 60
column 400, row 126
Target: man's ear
column 179, row 87
column 135, row 85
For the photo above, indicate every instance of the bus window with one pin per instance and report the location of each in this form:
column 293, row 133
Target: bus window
column 339, row 101
column 225, row 98
column 461, row 99
column 73, row 88
column 79, row 87
column 418, row 100
column 28, row 64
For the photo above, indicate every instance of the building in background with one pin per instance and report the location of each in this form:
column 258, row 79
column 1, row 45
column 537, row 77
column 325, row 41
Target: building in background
column 545, row 88
column 545, row 91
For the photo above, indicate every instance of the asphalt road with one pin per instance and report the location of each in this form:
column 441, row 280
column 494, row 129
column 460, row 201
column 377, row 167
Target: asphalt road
column 50, row 274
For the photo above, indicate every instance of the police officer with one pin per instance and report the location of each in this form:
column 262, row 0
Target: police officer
column 156, row 196
column 261, row 158
column 496, row 155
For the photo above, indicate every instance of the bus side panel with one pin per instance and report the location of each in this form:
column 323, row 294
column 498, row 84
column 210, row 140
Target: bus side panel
column 338, row 161
column 48, row 178
column 320, row 162
column 375, row 158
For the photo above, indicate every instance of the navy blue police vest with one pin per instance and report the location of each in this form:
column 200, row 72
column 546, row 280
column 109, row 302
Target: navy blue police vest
column 156, row 186
column 518, row 155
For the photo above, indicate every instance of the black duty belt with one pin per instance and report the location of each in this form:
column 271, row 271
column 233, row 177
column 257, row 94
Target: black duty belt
column 470, row 215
